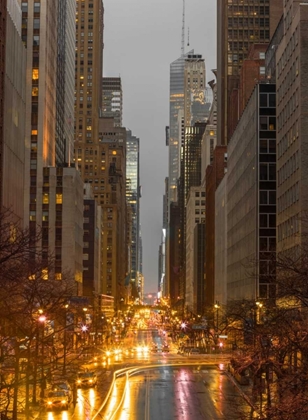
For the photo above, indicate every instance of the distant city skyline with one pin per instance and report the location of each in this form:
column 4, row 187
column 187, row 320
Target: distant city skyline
column 140, row 43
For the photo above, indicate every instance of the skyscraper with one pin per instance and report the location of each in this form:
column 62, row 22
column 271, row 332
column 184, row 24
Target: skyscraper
column 53, row 193
column 12, row 110
column 133, row 201
column 40, row 39
column 113, row 99
column 176, row 104
column 65, row 81
column 88, row 76
column 196, row 105
column 292, row 123
column 240, row 23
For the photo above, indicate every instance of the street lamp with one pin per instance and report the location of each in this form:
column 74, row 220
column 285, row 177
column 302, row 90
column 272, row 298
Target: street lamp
column 259, row 306
column 216, row 306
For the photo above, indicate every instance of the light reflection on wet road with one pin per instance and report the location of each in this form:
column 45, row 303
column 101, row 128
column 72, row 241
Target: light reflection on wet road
column 184, row 393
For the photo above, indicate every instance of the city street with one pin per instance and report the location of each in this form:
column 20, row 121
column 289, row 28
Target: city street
column 156, row 385
column 185, row 393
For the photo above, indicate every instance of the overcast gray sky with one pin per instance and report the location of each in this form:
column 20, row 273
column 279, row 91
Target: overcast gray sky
column 142, row 38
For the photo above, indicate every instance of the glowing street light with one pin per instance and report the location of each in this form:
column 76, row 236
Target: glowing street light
column 84, row 328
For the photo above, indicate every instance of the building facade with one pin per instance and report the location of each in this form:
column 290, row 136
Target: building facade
column 109, row 186
column 292, row 123
column 113, row 99
column 195, row 215
column 39, row 34
column 66, row 38
column 176, row 104
column 196, row 106
column 240, row 24
column 251, row 197
column 62, row 223
column 214, row 175
column 92, row 236
column 133, row 200
column 12, row 111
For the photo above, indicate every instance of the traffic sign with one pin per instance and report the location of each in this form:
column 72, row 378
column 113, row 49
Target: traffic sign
column 198, row 327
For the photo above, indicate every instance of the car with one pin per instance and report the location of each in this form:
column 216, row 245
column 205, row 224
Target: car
column 62, row 386
column 194, row 351
column 57, row 400
column 86, row 379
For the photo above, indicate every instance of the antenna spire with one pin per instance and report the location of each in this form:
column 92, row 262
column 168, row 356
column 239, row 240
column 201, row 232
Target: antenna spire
column 183, row 30
column 188, row 38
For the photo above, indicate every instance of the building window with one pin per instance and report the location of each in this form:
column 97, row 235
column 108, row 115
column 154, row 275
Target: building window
column 45, row 198
column 58, row 198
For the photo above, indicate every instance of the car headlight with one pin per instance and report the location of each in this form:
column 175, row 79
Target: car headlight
column 63, row 402
column 79, row 381
column 90, row 380
column 49, row 402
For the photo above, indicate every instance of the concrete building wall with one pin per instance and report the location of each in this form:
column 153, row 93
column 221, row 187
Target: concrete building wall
column 252, row 71
column 251, row 198
column 41, row 72
column 220, row 288
column 63, row 222
column 112, row 105
column 208, row 145
column 13, row 147
column 92, row 234
column 242, row 214
column 199, row 269
column 195, row 214
column 214, row 174
column 239, row 25
column 292, row 124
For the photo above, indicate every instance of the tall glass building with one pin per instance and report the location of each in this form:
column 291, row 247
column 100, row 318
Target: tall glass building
column 65, row 81
column 176, row 103
column 133, row 201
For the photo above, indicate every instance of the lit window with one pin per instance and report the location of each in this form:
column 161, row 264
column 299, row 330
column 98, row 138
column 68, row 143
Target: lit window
column 45, row 274
column 35, row 91
column 45, row 198
column 35, row 74
column 58, row 276
column 58, row 198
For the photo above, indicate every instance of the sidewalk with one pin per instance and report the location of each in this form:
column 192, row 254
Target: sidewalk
column 245, row 391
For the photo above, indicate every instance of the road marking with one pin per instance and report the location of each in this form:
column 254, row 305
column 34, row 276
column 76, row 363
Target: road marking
column 147, row 399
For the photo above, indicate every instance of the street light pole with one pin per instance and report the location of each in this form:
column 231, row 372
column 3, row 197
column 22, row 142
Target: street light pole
column 64, row 341
column 216, row 306
column 42, row 320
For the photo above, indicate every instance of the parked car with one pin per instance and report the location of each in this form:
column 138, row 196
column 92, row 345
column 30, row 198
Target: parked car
column 86, row 379
column 57, row 400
